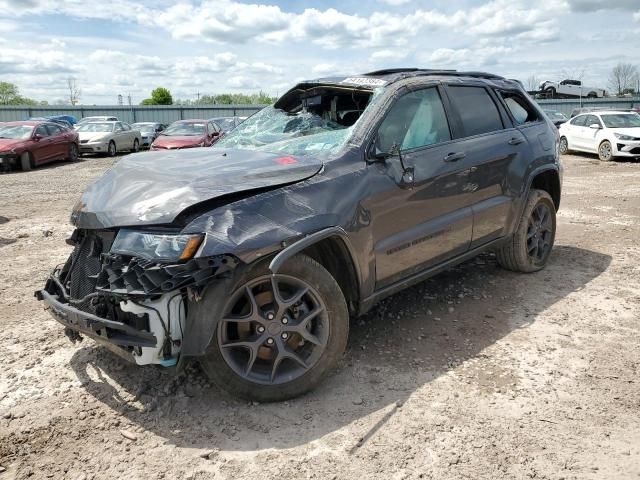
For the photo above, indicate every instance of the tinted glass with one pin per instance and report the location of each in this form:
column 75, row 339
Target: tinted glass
column 416, row 120
column 54, row 129
column 42, row 131
column 477, row 110
column 579, row 121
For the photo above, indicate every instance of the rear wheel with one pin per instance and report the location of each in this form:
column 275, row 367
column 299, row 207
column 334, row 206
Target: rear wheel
column 278, row 335
column 26, row 161
column 529, row 248
column 551, row 92
column 605, row 151
column 73, row 153
column 564, row 145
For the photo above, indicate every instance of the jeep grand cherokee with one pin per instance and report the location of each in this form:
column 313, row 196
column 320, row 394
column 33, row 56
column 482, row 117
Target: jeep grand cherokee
column 253, row 254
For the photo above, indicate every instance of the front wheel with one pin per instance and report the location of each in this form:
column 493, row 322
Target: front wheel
column 111, row 149
column 26, row 161
column 136, row 146
column 529, row 248
column 278, row 335
column 605, row 151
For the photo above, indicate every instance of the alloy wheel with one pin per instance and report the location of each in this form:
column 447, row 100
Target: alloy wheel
column 539, row 233
column 605, row 151
column 274, row 329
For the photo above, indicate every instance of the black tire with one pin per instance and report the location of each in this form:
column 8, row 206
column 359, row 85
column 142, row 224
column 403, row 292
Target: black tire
column 518, row 253
column 223, row 369
column 26, row 161
column 605, row 151
column 551, row 92
column 564, row 145
column 74, row 153
column 136, row 146
column 112, row 151
column 592, row 95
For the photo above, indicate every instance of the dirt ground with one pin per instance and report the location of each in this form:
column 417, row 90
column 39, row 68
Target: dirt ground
column 476, row 373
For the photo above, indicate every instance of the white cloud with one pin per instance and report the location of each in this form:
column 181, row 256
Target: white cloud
column 636, row 16
column 388, row 56
column 395, row 3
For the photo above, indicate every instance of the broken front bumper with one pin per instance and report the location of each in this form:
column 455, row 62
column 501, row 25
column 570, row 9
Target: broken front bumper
column 107, row 332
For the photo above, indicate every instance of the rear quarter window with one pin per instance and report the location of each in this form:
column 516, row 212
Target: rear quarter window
column 477, row 110
column 520, row 109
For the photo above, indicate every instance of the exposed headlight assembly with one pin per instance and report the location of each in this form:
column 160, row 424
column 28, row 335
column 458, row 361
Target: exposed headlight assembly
column 620, row 136
column 156, row 246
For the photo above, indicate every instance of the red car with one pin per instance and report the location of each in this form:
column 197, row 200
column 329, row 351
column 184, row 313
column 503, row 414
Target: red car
column 32, row 143
column 188, row 134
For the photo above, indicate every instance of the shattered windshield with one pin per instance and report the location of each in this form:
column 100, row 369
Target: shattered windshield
column 275, row 130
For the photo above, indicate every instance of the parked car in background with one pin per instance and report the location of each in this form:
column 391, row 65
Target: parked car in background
column 70, row 119
column 188, row 134
column 610, row 134
column 149, row 131
column 226, row 124
column 570, row 89
column 29, row 144
column 96, row 119
column 558, row 118
column 252, row 255
column 108, row 138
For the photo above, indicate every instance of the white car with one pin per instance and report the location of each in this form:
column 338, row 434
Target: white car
column 609, row 134
column 108, row 138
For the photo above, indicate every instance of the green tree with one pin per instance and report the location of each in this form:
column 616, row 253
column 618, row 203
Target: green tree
column 159, row 96
column 10, row 95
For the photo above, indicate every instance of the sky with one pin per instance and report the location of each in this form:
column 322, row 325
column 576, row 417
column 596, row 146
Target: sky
column 129, row 47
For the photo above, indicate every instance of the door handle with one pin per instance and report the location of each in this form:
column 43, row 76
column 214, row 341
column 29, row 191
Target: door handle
column 516, row 141
column 454, row 157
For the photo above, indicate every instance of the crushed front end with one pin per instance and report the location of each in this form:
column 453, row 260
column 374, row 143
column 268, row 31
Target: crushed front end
column 133, row 302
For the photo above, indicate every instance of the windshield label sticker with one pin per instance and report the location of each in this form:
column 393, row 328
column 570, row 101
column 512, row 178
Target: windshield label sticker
column 372, row 82
column 285, row 160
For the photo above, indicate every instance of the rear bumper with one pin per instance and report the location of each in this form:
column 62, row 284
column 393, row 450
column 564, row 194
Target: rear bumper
column 100, row 329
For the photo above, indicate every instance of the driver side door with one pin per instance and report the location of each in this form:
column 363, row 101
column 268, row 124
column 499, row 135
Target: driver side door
column 422, row 216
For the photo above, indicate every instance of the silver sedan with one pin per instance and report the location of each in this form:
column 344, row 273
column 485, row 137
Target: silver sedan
column 108, row 138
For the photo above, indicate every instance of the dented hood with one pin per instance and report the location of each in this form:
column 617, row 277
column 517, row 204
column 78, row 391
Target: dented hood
column 155, row 187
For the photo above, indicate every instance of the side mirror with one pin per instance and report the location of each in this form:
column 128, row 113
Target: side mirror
column 37, row 137
column 595, row 126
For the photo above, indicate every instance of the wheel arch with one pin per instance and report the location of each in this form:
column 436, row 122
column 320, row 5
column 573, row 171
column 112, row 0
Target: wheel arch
column 547, row 179
column 331, row 248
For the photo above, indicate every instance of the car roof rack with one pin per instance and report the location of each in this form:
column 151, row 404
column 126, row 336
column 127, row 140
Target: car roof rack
column 427, row 71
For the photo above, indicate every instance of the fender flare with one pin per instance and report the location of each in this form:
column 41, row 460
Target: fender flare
column 309, row 240
column 534, row 173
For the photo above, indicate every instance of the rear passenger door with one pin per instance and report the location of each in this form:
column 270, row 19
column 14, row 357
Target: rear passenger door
column 491, row 146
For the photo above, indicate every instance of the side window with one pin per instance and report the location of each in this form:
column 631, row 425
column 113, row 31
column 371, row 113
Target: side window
column 416, row 120
column 478, row 112
column 54, row 129
column 214, row 127
column 579, row 121
column 42, row 131
column 520, row 109
column 591, row 119
column 119, row 127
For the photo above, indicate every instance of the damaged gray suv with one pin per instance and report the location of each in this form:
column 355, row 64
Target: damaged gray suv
column 253, row 254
